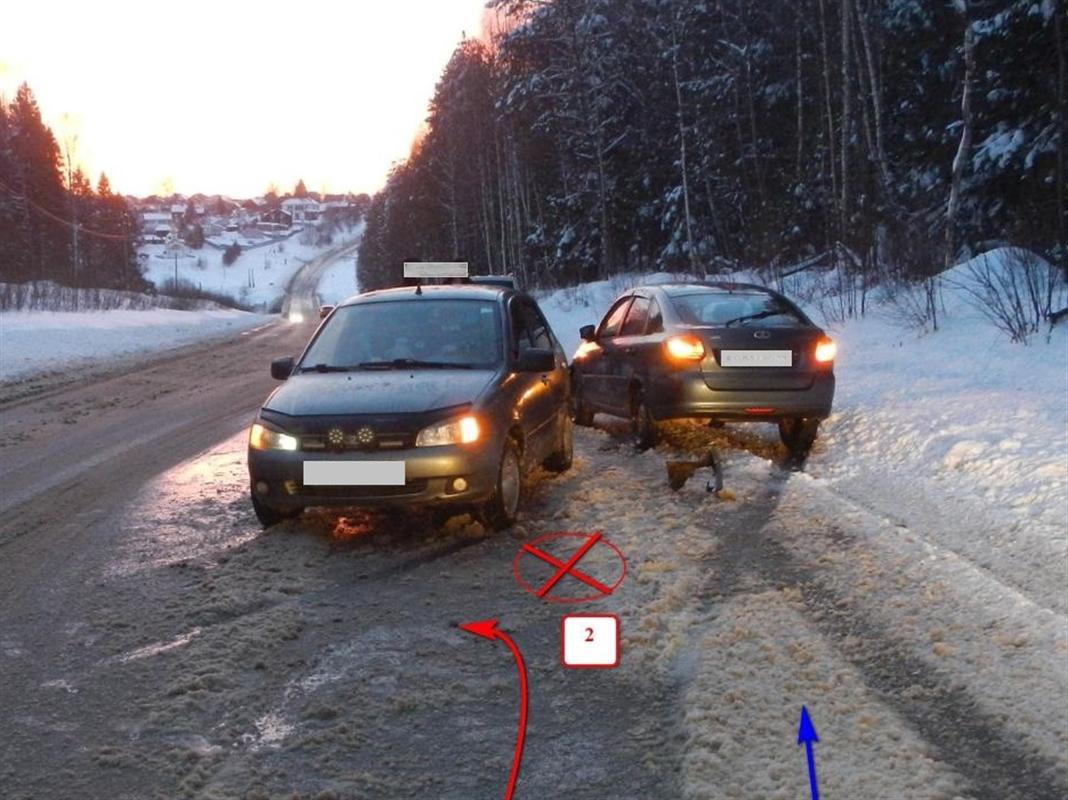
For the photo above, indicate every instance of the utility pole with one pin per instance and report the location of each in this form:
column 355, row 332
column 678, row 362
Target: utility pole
column 176, row 270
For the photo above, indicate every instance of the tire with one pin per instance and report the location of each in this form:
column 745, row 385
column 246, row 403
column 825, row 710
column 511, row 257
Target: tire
column 560, row 460
column 500, row 512
column 799, row 434
column 643, row 430
column 272, row 516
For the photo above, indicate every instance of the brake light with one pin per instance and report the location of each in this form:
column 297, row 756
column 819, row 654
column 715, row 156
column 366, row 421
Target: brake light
column 826, row 350
column 685, row 348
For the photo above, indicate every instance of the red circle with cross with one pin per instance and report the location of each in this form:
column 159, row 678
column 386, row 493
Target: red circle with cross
column 568, row 563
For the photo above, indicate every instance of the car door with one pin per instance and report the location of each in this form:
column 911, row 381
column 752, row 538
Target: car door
column 626, row 365
column 595, row 368
column 541, row 393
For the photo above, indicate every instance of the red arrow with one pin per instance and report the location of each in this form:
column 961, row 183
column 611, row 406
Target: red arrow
column 487, row 629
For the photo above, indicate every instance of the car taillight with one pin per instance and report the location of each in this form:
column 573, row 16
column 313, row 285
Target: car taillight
column 826, row 350
column 685, row 348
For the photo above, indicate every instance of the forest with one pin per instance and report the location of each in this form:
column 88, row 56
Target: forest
column 887, row 139
column 54, row 224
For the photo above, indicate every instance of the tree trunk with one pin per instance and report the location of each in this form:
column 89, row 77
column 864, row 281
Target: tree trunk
column 800, row 92
column 1062, row 113
column 963, row 151
column 847, row 114
column 829, row 111
column 682, row 145
column 964, row 147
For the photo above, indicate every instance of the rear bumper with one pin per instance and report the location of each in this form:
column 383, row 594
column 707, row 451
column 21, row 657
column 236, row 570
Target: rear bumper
column 685, row 394
column 429, row 474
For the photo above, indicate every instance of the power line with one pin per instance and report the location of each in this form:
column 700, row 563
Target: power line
column 69, row 223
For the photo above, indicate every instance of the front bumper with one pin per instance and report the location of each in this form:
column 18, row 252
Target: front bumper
column 685, row 394
column 429, row 475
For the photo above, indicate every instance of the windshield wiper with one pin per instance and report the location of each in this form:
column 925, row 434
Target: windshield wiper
column 406, row 363
column 326, row 368
column 760, row 315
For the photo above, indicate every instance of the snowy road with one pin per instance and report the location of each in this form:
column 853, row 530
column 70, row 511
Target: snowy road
column 154, row 643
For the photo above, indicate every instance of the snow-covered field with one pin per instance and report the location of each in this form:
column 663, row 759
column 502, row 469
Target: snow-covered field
column 36, row 342
column 258, row 277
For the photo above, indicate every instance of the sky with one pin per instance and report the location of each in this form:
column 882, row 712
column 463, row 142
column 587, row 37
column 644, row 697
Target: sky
column 232, row 95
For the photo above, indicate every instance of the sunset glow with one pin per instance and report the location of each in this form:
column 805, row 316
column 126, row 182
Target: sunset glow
column 231, row 96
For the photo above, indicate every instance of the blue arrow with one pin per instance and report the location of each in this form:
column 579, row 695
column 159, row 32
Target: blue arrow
column 806, row 733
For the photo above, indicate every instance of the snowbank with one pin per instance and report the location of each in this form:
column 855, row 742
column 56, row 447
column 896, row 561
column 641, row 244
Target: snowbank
column 34, row 342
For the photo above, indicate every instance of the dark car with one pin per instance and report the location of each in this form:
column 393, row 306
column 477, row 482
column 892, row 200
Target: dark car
column 440, row 396
column 719, row 351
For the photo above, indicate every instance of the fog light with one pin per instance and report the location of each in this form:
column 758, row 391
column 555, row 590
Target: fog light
column 262, row 488
column 459, row 485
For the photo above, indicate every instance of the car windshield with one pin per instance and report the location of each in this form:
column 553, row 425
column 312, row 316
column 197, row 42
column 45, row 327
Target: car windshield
column 735, row 309
column 418, row 333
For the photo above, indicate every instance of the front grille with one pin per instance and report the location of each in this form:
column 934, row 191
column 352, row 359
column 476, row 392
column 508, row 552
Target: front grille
column 360, row 492
column 385, row 441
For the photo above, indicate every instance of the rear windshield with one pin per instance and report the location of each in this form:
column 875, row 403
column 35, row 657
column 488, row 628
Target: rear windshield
column 466, row 333
column 736, row 309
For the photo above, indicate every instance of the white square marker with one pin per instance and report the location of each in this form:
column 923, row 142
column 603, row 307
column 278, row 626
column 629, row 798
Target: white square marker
column 589, row 641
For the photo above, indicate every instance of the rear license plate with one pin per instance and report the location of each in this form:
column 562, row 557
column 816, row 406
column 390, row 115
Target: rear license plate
column 756, row 358
column 354, row 473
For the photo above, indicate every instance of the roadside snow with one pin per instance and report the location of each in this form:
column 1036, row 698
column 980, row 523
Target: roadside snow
column 339, row 280
column 34, row 342
column 961, row 433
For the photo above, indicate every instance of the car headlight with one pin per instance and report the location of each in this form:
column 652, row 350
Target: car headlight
column 457, row 431
column 263, row 438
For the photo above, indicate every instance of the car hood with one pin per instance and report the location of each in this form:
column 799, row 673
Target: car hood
column 377, row 391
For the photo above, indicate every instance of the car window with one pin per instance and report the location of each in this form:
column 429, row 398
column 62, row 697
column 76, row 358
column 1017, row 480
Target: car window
column 451, row 331
column 529, row 327
column 614, row 319
column 736, row 308
column 656, row 318
column 637, row 317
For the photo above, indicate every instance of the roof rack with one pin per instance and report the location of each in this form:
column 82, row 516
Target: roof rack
column 421, row 273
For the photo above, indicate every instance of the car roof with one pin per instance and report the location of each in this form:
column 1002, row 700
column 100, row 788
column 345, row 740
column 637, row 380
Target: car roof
column 452, row 291
column 691, row 287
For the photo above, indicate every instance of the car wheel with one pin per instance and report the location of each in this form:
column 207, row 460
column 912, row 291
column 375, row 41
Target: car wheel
column 798, row 434
column 643, row 428
column 560, row 460
column 501, row 510
column 272, row 516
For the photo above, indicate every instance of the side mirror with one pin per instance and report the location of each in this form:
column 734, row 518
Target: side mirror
column 324, row 311
column 587, row 332
column 282, row 368
column 536, row 361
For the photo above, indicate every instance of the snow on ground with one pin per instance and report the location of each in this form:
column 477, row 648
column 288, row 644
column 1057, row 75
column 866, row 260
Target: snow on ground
column 339, row 279
column 257, row 278
column 960, row 432
column 35, row 342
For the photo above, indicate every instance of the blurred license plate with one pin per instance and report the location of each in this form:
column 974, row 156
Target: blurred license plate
column 756, row 358
column 354, row 473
